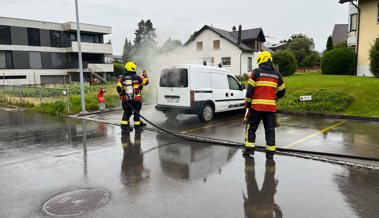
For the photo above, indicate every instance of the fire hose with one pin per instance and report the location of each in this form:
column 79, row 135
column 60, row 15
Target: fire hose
column 292, row 152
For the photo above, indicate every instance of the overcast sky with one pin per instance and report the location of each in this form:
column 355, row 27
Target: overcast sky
column 178, row 19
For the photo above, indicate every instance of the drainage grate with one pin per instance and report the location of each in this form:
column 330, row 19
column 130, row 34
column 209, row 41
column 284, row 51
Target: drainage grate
column 76, row 202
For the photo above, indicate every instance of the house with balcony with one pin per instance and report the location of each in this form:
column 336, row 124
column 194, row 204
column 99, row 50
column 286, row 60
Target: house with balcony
column 234, row 50
column 38, row 52
column 363, row 31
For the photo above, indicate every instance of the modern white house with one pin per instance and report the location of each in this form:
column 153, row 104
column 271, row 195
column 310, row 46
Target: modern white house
column 38, row 52
column 234, row 50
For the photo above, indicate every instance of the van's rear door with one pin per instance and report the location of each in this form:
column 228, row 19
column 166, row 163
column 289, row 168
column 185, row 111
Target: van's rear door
column 220, row 88
column 173, row 88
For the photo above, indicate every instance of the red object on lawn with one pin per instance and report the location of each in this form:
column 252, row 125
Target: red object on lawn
column 100, row 95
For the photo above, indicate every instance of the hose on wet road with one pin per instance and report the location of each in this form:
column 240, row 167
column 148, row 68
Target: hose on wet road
column 213, row 141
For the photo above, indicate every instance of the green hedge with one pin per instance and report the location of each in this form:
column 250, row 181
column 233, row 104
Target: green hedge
column 374, row 58
column 339, row 61
column 286, row 62
column 323, row 101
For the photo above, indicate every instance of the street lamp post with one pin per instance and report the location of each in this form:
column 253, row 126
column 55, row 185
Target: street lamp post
column 80, row 60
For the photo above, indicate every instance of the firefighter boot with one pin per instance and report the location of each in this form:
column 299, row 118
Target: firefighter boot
column 270, row 155
column 248, row 151
column 126, row 129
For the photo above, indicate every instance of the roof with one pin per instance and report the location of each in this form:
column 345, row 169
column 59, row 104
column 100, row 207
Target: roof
column 340, row 33
column 247, row 35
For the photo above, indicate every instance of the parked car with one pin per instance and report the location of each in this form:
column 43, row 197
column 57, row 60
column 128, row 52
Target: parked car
column 198, row 89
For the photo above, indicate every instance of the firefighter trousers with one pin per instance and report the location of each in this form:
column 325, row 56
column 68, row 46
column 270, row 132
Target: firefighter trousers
column 253, row 121
column 128, row 111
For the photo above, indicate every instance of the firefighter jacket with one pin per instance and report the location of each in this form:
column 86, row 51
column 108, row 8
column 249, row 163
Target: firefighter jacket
column 264, row 87
column 136, row 82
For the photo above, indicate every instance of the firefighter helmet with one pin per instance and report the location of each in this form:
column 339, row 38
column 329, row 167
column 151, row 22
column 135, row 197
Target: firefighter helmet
column 264, row 57
column 130, row 66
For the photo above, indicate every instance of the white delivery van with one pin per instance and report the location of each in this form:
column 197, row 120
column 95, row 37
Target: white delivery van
column 198, row 89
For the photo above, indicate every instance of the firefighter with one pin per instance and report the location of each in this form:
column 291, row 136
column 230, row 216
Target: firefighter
column 265, row 86
column 132, row 167
column 129, row 88
column 260, row 203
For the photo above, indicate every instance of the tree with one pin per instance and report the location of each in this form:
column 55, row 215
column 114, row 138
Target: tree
column 329, row 43
column 170, row 45
column 285, row 61
column 144, row 43
column 126, row 50
column 374, row 58
column 150, row 35
column 139, row 33
column 339, row 61
column 301, row 46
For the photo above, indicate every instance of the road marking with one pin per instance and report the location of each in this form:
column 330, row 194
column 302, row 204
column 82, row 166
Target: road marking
column 315, row 134
column 209, row 126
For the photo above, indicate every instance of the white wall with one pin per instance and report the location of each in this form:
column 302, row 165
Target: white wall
column 244, row 61
column 227, row 49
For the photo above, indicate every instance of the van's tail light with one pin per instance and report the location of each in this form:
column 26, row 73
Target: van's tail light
column 192, row 96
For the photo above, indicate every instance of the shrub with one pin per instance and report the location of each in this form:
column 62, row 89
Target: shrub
column 311, row 60
column 118, row 69
column 323, row 101
column 286, row 62
column 339, row 61
column 244, row 77
column 374, row 58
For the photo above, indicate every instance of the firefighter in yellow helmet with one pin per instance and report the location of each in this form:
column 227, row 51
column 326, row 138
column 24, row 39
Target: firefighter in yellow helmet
column 129, row 88
column 265, row 86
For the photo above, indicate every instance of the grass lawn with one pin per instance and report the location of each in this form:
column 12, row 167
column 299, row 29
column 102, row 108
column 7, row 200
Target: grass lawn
column 363, row 90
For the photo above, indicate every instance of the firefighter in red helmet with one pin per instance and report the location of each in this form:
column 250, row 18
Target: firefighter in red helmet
column 129, row 88
column 265, row 86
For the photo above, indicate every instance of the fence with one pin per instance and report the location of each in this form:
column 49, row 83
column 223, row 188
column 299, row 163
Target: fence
column 33, row 96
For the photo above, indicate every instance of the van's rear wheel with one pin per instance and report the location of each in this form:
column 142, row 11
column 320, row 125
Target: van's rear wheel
column 206, row 113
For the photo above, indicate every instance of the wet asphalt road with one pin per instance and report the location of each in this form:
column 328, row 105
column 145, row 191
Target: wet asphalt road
column 155, row 175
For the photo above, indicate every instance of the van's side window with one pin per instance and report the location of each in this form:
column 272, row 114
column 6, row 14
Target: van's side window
column 233, row 83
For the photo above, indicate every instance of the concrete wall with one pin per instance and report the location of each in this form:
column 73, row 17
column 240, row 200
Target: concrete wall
column 32, row 76
column 54, row 26
column 368, row 32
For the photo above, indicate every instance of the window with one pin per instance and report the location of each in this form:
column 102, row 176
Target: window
column 73, row 37
column 216, row 44
column 33, row 37
column 35, row 60
column 13, row 77
column 353, row 22
column 5, row 35
column 6, row 60
column 249, row 64
column 233, row 84
column 226, row 61
column 257, row 46
column 55, row 38
column 199, row 46
column 174, row 78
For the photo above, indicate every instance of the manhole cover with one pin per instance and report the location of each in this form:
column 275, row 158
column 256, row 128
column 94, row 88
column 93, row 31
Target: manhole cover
column 76, row 202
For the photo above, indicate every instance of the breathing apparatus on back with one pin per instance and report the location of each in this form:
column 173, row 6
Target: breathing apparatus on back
column 128, row 80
